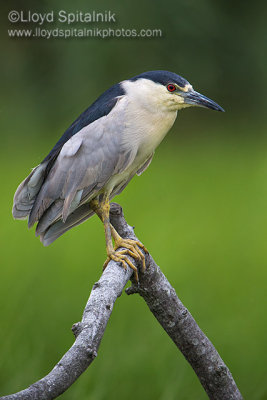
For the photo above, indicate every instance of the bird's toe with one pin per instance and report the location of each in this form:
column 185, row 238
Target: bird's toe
column 121, row 257
column 134, row 248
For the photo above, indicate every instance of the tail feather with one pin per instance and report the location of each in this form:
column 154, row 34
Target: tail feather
column 27, row 191
column 51, row 215
column 28, row 202
column 59, row 227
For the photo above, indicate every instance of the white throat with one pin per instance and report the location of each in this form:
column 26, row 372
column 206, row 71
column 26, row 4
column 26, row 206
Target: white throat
column 150, row 117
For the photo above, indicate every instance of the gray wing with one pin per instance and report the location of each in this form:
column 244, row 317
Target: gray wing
column 83, row 167
column 27, row 191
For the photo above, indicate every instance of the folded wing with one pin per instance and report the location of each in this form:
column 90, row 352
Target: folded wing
column 84, row 165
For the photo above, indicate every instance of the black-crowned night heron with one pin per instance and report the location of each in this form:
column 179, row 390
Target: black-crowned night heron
column 98, row 155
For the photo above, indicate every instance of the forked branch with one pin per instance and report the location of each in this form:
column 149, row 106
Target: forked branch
column 163, row 302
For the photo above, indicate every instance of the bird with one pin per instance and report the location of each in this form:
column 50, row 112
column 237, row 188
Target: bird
column 113, row 140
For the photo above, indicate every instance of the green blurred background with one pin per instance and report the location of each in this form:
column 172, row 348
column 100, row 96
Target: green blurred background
column 201, row 207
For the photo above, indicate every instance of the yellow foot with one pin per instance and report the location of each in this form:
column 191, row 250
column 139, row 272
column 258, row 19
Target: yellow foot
column 120, row 256
column 133, row 249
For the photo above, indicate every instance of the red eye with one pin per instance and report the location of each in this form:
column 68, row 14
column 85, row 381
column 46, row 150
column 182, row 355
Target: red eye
column 171, row 87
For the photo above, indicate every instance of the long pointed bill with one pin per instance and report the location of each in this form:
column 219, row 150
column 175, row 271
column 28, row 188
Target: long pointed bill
column 196, row 99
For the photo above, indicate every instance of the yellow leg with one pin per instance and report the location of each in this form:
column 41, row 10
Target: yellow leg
column 132, row 247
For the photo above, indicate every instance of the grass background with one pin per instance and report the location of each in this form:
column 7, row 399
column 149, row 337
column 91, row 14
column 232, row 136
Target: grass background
column 200, row 208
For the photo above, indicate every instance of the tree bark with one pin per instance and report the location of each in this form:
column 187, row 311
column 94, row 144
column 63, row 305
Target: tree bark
column 163, row 302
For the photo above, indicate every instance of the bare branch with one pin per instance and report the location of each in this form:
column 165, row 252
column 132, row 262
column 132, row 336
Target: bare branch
column 179, row 324
column 162, row 300
column 88, row 335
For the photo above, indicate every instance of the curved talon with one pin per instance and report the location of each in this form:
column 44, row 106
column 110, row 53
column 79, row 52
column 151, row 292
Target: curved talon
column 120, row 256
column 134, row 247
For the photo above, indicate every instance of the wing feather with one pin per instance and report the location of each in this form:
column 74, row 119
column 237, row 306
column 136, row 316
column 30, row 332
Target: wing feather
column 84, row 165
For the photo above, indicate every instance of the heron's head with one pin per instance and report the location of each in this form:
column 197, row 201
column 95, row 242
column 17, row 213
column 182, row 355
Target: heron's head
column 166, row 90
